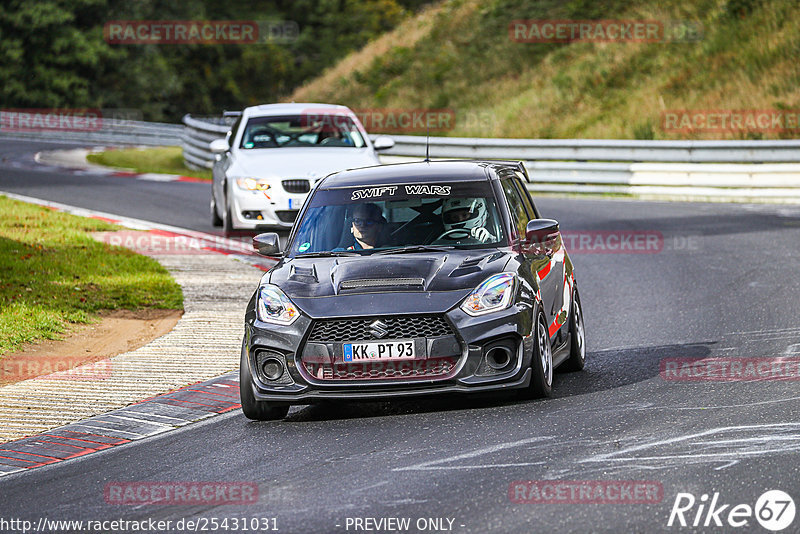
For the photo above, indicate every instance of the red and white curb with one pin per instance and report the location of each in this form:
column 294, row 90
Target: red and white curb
column 153, row 416
column 74, row 161
column 203, row 348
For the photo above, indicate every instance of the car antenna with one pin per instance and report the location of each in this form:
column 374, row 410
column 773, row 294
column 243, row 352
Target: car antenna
column 428, row 143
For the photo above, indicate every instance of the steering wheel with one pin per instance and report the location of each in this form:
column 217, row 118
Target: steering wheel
column 454, row 233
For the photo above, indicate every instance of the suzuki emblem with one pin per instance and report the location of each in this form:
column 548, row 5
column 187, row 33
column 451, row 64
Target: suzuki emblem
column 378, row 329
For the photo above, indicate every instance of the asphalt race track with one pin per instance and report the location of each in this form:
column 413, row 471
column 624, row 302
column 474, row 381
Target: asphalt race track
column 723, row 283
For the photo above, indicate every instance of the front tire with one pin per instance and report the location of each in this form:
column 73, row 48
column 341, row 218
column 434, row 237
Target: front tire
column 216, row 220
column 227, row 219
column 252, row 408
column 542, row 363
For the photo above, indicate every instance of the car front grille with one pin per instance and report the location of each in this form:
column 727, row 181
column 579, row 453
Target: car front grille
column 400, row 327
column 296, row 186
column 287, row 216
column 407, row 369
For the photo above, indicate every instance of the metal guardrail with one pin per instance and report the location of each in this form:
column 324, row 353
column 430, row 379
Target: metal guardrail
column 686, row 169
column 735, row 170
column 197, row 134
column 116, row 132
column 620, row 150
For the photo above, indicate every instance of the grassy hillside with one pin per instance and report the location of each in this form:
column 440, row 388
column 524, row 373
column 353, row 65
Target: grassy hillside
column 457, row 54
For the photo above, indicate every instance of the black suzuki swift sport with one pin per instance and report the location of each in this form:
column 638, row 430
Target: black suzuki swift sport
column 412, row 279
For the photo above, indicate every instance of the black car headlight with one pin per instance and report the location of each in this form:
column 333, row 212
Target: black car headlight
column 273, row 306
column 494, row 294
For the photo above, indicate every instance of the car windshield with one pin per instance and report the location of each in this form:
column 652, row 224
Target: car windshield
column 305, row 130
column 399, row 218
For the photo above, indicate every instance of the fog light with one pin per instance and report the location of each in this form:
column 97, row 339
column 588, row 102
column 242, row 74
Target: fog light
column 253, row 215
column 272, row 368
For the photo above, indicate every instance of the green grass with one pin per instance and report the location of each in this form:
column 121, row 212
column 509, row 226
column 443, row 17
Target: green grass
column 161, row 160
column 457, row 54
column 52, row 273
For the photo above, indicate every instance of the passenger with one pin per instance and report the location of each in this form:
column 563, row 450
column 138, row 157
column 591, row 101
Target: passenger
column 467, row 214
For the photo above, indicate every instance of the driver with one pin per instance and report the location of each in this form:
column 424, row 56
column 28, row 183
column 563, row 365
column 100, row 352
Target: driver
column 469, row 214
column 367, row 227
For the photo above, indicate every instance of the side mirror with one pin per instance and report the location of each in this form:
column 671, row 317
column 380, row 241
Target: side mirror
column 218, row 146
column 383, row 142
column 541, row 232
column 267, row 244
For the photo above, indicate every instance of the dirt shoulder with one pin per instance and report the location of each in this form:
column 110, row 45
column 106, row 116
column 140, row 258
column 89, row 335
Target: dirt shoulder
column 118, row 331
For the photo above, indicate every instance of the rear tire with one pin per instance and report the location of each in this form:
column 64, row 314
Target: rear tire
column 253, row 409
column 577, row 338
column 541, row 364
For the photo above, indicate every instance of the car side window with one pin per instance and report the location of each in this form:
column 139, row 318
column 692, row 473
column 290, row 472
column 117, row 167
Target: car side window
column 519, row 215
column 526, row 199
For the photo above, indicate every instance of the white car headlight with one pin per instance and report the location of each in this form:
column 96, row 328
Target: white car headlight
column 273, row 306
column 253, row 184
column 494, row 294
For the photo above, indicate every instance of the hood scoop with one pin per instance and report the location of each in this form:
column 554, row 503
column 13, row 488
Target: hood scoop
column 307, row 275
column 384, row 284
column 476, row 264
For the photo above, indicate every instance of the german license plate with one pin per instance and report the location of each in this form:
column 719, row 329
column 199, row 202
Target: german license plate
column 401, row 349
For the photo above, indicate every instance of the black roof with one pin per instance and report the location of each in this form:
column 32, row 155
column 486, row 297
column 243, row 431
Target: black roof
column 428, row 171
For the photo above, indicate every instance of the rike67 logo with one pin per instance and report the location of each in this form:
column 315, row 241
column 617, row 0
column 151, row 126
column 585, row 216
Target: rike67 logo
column 774, row 510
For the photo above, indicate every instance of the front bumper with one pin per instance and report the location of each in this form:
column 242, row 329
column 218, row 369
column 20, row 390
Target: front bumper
column 279, row 210
column 468, row 346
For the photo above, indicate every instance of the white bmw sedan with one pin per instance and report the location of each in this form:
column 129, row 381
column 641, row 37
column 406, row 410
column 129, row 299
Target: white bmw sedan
column 273, row 156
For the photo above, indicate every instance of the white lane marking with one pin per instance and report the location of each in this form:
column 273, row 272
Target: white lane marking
column 154, row 177
column 767, row 331
column 144, row 421
column 773, row 401
column 727, row 465
column 178, row 420
column 714, row 457
column 135, row 435
column 699, row 450
column 478, row 452
column 794, row 348
column 371, row 486
column 454, row 467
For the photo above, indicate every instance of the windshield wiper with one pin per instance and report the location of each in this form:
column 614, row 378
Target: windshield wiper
column 417, row 248
column 328, row 253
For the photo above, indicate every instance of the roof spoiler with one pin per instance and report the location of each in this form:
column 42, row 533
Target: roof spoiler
column 523, row 171
column 227, row 113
